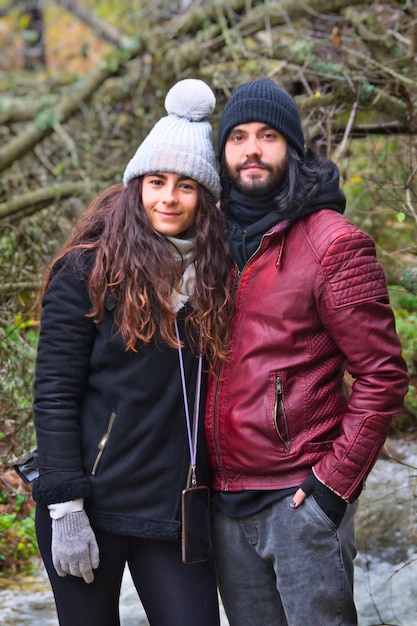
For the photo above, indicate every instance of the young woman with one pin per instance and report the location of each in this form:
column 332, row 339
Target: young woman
column 137, row 294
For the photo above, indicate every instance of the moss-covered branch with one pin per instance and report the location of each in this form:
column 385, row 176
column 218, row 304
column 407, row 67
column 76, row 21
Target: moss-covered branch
column 29, row 203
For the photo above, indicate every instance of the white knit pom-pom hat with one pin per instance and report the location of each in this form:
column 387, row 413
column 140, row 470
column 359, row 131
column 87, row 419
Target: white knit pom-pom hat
column 181, row 142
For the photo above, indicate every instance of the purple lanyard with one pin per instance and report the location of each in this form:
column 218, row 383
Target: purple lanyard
column 192, row 432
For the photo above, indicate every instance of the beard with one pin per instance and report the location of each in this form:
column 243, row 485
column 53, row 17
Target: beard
column 256, row 186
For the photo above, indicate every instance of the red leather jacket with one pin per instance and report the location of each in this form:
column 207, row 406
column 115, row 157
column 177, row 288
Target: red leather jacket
column 310, row 303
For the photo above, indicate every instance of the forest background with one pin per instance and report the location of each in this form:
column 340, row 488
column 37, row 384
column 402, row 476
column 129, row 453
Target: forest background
column 83, row 82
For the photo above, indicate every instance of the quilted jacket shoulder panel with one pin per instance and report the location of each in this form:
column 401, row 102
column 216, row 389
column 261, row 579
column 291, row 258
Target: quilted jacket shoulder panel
column 348, row 262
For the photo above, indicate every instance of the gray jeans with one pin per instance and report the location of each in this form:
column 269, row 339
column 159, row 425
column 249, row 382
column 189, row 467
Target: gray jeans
column 286, row 567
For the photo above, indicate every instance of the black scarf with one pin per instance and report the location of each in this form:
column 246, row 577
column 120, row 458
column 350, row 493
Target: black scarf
column 250, row 217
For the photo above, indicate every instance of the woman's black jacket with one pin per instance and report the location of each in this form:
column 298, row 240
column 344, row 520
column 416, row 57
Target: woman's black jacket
column 110, row 423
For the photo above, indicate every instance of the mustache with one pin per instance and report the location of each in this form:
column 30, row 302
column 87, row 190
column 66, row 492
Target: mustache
column 254, row 161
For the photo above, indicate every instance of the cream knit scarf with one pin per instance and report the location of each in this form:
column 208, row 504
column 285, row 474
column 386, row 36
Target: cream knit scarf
column 185, row 255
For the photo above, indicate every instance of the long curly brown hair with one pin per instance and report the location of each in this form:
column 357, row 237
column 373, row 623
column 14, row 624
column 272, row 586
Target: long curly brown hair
column 138, row 267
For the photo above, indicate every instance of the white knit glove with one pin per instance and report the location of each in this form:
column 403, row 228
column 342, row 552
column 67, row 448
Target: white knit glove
column 74, row 546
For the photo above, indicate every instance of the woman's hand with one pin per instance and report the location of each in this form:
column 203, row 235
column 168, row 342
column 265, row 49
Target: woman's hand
column 74, row 546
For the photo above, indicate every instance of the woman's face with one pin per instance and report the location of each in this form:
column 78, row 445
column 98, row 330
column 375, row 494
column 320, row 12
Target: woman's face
column 170, row 200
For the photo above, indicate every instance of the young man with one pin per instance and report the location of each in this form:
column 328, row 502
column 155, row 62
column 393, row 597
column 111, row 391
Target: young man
column 290, row 449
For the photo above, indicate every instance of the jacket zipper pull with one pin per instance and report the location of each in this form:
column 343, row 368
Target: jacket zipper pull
column 102, row 443
column 279, row 402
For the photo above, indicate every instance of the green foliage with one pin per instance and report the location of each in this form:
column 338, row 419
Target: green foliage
column 367, row 92
column 327, row 69
column 46, row 119
column 18, row 545
column 25, row 250
column 379, row 192
column 18, row 341
column 405, row 310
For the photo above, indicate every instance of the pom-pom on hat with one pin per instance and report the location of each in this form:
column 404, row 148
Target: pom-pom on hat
column 262, row 101
column 181, row 142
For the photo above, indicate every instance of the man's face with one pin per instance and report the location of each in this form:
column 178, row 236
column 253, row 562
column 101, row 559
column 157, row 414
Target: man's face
column 255, row 158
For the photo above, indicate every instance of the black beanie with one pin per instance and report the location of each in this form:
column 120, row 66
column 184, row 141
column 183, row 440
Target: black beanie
column 262, row 101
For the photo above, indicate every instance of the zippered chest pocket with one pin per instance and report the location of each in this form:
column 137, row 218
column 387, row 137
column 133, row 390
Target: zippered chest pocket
column 103, row 442
column 280, row 415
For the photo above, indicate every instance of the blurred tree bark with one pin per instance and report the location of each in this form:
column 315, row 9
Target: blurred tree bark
column 31, row 25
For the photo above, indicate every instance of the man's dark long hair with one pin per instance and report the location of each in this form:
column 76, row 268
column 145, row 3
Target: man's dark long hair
column 304, row 176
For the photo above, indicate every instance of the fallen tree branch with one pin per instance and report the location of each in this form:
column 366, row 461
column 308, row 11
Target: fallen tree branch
column 14, row 110
column 399, row 269
column 400, row 78
column 342, row 147
column 286, row 11
column 8, row 290
column 213, row 37
column 102, row 29
column 29, row 203
column 68, row 106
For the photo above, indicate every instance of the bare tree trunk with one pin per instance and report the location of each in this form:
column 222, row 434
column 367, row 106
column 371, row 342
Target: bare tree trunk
column 33, row 34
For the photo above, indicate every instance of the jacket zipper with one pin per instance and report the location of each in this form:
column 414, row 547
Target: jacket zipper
column 279, row 406
column 251, row 258
column 102, row 443
column 216, row 431
column 216, row 438
column 216, row 428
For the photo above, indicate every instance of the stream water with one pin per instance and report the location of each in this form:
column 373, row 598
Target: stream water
column 385, row 569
